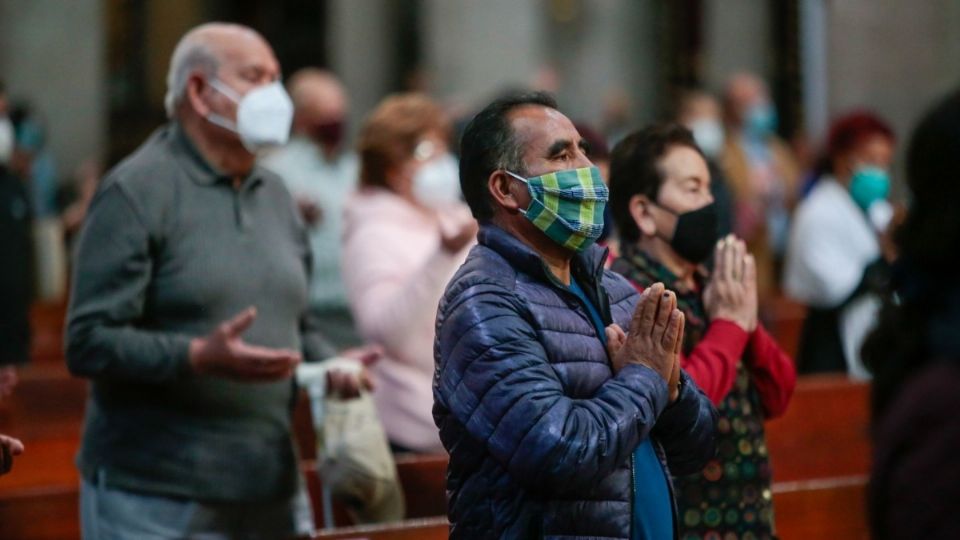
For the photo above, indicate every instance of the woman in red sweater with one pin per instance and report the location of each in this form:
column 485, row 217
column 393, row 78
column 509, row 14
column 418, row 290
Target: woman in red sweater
column 662, row 206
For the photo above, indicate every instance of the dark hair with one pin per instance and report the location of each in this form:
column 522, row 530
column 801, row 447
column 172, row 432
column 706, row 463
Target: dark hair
column 635, row 170
column 489, row 144
column 929, row 244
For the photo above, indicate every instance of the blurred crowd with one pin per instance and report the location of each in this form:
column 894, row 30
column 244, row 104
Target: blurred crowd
column 193, row 259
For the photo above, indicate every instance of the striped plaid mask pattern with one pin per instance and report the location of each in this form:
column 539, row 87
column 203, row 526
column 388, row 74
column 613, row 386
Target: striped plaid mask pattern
column 567, row 205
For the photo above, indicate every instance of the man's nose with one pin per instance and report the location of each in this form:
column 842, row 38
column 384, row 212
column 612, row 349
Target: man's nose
column 582, row 160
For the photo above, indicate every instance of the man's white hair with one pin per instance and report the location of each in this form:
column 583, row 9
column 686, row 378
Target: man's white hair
column 192, row 53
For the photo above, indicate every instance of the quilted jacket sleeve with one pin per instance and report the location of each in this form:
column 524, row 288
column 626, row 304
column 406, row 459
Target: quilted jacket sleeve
column 495, row 380
column 686, row 430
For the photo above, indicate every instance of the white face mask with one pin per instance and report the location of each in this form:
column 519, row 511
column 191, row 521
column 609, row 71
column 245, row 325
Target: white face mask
column 709, row 136
column 7, row 139
column 264, row 115
column 437, row 183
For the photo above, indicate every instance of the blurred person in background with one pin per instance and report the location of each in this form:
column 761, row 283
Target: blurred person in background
column 836, row 258
column 700, row 112
column 406, row 231
column 914, row 352
column 39, row 165
column 16, row 272
column 35, row 163
column 667, row 218
column 321, row 172
column 189, row 313
column 86, row 179
column 762, row 174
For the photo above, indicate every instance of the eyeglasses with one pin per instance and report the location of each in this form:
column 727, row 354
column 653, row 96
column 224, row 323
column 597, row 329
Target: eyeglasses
column 425, row 150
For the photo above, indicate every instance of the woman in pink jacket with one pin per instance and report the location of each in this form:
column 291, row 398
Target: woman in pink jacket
column 406, row 232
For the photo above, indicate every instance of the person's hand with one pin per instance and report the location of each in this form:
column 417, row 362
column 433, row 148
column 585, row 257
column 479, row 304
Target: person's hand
column 8, row 380
column 453, row 239
column 732, row 291
column 616, row 337
column 311, row 213
column 656, row 332
column 674, row 382
column 888, row 243
column 349, row 384
column 224, row 353
column 9, row 447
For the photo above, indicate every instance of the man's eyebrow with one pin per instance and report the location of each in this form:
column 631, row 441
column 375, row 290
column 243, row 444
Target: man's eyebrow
column 559, row 146
column 696, row 178
column 253, row 69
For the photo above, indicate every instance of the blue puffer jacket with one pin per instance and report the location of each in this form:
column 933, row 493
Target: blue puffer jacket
column 540, row 432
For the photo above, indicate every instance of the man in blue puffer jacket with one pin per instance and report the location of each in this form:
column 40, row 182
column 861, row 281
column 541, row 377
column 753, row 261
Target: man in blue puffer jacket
column 558, row 423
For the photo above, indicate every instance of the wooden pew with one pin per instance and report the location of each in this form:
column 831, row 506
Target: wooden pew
column 423, row 479
column 39, row 513
column 45, row 483
column 47, row 327
column 832, row 508
column 435, row 528
column 44, row 463
column 825, row 432
column 39, row 498
column 804, row 510
column 424, row 484
column 47, row 402
column 811, row 475
column 783, row 318
column 825, row 508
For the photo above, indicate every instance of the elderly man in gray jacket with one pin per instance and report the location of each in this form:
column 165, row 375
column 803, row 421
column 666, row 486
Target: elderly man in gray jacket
column 189, row 312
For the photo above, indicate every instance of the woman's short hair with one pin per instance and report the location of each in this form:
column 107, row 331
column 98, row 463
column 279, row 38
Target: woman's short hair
column 852, row 129
column 390, row 134
column 635, row 170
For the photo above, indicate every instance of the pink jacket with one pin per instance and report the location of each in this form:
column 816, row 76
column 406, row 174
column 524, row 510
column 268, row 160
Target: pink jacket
column 395, row 272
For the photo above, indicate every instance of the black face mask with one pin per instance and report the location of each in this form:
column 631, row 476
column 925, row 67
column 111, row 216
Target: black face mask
column 696, row 233
column 330, row 134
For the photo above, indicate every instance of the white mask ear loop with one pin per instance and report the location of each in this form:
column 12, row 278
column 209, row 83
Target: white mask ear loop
column 517, row 176
column 233, row 96
column 523, row 211
column 219, row 86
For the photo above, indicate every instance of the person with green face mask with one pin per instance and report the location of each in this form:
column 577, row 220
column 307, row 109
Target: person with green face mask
column 559, row 422
column 835, row 258
column 567, row 205
column 666, row 215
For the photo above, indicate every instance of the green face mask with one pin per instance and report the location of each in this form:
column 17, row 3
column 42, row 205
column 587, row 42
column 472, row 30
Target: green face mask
column 567, row 205
column 869, row 185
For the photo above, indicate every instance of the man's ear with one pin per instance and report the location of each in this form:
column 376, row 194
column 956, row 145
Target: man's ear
column 640, row 212
column 504, row 191
column 196, row 87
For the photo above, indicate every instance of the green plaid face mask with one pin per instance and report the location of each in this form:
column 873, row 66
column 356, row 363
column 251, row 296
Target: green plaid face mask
column 567, row 205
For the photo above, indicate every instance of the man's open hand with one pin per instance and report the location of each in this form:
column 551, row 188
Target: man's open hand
column 224, row 353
